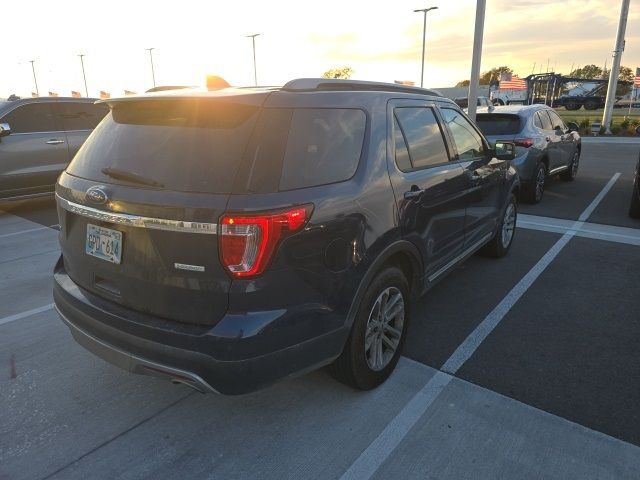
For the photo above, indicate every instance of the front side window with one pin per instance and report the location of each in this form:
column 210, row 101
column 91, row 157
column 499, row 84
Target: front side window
column 31, row 118
column 468, row 142
column 423, row 136
column 81, row 115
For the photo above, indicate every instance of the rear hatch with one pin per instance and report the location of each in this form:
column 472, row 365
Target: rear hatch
column 499, row 126
column 505, row 127
column 139, row 203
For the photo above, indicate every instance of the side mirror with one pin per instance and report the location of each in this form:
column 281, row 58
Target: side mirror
column 505, row 150
column 5, row 129
column 573, row 126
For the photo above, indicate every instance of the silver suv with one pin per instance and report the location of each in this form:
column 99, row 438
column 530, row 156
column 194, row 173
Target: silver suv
column 38, row 138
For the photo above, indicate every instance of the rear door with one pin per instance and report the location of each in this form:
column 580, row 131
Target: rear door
column 148, row 188
column 35, row 152
column 428, row 186
column 483, row 176
column 555, row 151
column 566, row 143
column 78, row 120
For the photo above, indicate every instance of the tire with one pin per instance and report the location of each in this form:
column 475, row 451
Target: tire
column 572, row 105
column 570, row 173
column 499, row 102
column 356, row 366
column 533, row 192
column 634, row 207
column 501, row 242
column 591, row 105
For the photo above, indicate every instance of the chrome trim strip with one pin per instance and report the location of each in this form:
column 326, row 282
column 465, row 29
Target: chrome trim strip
column 558, row 169
column 468, row 251
column 133, row 363
column 136, row 220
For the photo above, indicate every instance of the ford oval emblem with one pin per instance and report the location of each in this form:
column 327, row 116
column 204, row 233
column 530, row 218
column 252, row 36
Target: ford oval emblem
column 96, row 195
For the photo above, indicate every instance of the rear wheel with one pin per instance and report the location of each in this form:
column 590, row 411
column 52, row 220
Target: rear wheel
column 571, row 105
column 591, row 105
column 534, row 191
column 634, row 208
column 377, row 336
column 570, row 173
column 501, row 242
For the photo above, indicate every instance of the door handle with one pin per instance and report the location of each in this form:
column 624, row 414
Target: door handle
column 548, row 139
column 415, row 192
column 54, row 141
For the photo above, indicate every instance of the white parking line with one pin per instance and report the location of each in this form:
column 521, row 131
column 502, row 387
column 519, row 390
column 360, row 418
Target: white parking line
column 366, row 465
column 28, row 313
column 23, row 231
column 610, row 233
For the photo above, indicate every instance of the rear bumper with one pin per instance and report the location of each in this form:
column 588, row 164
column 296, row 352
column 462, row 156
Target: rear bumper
column 189, row 354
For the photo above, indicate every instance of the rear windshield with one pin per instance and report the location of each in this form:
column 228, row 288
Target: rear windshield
column 186, row 145
column 498, row 124
column 199, row 145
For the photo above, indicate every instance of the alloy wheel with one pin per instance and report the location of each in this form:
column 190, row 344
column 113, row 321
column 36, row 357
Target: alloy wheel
column 384, row 328
column 508, row 225
column 540, row 179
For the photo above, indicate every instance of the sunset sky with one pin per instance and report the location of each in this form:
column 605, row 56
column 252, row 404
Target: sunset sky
column 380, row 40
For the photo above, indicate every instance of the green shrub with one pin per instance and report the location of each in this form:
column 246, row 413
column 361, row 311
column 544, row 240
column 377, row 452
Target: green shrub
column 602, row 130
column 615, row 129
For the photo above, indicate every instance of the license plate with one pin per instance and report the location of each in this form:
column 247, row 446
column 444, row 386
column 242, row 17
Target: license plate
column 104, row 243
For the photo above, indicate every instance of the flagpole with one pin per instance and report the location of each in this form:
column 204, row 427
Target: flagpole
column 86, row 90
column 33, row 69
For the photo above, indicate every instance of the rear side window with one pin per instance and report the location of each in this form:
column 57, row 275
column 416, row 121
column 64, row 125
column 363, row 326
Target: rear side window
column 190, row 145
column 423, row 136
column 544, row 118
column 556, row 121
column 31, row 118
column 81, row 115
column 323, row 146
column 498, row 124
column 536, row 120
column 302, row 147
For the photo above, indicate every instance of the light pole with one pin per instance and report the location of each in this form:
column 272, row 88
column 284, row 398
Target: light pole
column 33, row 69
column 86, row 90
column 615, row 67
column 255, row 71
column 153, row 73
column 475, row 61
column 424, row 35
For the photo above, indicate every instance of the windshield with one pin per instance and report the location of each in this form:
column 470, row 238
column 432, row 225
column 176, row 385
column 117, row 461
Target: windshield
column 498, row 124
column 187, row 145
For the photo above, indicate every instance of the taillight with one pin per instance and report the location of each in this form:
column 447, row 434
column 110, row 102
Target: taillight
column 248, row 242
column 524, row 142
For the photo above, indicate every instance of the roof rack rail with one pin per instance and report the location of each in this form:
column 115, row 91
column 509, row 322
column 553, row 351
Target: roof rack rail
column 315, row 84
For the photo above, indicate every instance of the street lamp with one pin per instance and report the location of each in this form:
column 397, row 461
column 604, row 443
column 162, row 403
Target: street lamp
column 86, row 90
column 255, row 72
column 33, row 69
column 153, row 74
column 424, row 33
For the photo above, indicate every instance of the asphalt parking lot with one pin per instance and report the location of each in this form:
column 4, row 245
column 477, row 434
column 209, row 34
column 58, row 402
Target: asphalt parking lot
column 523, row 367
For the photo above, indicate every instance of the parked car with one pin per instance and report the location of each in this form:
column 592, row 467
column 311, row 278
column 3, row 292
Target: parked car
column 545, row 146
column 230, row 238
column 628, row 100
column 463, row 102
column 38, row 138
column 634, row 207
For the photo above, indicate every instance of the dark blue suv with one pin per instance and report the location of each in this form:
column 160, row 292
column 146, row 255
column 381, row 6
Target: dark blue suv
column 228, row 239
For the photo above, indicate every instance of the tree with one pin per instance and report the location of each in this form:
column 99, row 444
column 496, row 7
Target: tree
column 488, row 76
column 342, row 72
column 626, row 74
column 589, row 72
column 493, row 74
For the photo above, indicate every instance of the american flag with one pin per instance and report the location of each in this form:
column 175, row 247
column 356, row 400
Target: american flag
column 129, row 92
column 104, row 94
column 636, row 79
column 511, row 82
column 75, row 94
column 52, row 94
column 34, row 94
